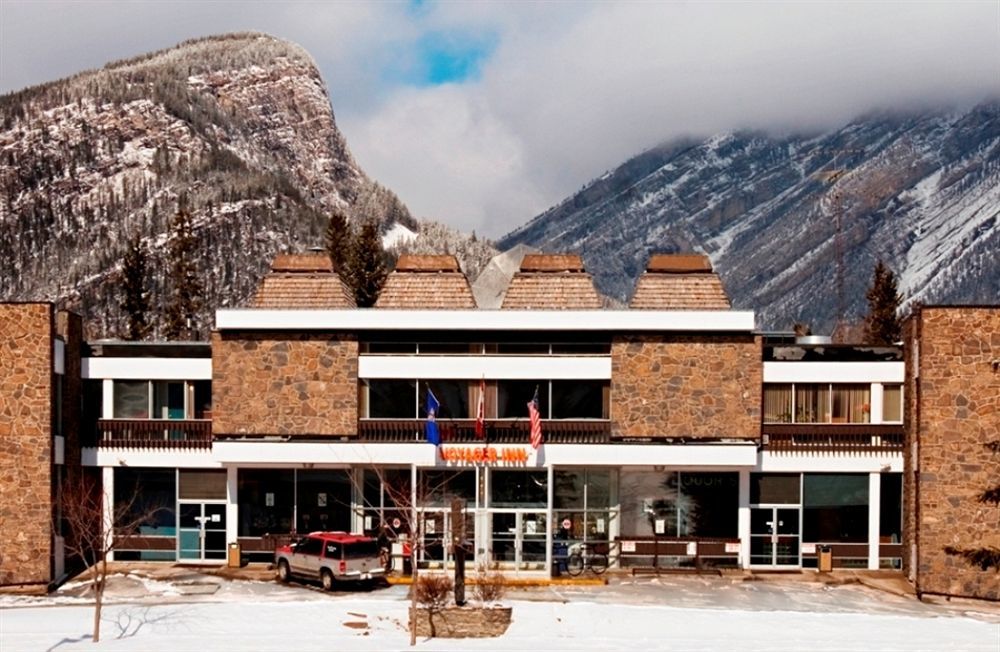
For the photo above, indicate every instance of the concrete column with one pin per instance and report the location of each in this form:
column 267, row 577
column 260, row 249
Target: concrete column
column 108, row 506
column 550, row 480
column 232, row 505
column 743, row 518
column 107, row 399
column 874, row 518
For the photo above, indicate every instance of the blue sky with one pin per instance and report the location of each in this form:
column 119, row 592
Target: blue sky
column 483, row 114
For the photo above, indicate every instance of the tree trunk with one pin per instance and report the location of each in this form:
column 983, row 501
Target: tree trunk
column 100, row 573
column 413, row 594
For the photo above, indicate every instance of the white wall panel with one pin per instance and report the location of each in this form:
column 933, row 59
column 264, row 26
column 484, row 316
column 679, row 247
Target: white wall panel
column 484, row 366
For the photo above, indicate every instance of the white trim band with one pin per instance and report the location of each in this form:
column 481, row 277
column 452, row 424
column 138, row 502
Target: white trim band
column 147, row 368
column 473, row 367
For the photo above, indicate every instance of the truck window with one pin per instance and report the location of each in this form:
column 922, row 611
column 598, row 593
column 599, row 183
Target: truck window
column 361, row 549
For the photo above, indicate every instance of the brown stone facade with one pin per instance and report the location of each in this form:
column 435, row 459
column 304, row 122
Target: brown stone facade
column 284, row 384
column 26, row 371
column 693, row 387
column 953, row 376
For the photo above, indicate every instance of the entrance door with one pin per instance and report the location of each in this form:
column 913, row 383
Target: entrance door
column 201, row 532
column 774, row 537
column 518, row 540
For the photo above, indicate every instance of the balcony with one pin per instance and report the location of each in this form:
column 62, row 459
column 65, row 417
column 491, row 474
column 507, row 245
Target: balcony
column 498, row 431
column 833, row 438
column 172, row 434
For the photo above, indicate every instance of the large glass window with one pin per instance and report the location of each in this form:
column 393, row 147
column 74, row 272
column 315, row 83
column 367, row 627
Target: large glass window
column 452, row 396
column 891, row 508
column 672, row 503
column 131, row 399
column 579, row 399
column 851, row 403
column 774, row 489
column 266, row 500
column 392, row 399
column 513, row 397
column 835, row 508
column 518, row 489
column 583, row 506
column 777, row 404
column 152, row 494
column 386, row 494
column 201, row 484
column 892, row 403
column 812, row 403
column 324, row 500
column 437, row 488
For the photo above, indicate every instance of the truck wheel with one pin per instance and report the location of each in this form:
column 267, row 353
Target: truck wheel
column 284, row 574
column 326, row 579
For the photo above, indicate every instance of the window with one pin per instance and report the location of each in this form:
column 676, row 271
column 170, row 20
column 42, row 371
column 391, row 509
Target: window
column 392, row 399
column 266, row 499
column 437, row 488
column 835, row 508
column 380, row 486
column 774, row 488
column 892, row 403
column 513, row 397
column 332, row 550
column 151, row 492
column 891, row 507
column 686, row 504
column 518, row 489
column 309, row 546
column 324, row 500
column 579, row 399
column 584, row 510
column 452, row 397
column 777, row 404
column 131, row 399
column 817, row 403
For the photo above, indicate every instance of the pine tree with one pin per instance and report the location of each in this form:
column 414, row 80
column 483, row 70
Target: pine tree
column 882, row 324
column 185, row 293
column 135, row 297
column 366, row 265
column 339, row 242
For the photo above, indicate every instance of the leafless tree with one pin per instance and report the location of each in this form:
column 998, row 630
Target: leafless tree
column 92, row 534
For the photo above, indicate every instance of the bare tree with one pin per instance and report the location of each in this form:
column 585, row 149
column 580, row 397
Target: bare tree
column 92, row 533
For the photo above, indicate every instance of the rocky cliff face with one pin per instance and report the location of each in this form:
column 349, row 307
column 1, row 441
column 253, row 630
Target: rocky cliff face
column 921, row 192
column 238, row 129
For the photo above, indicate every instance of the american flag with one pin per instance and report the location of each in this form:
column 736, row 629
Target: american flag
column 536, row 421
column 481, row 411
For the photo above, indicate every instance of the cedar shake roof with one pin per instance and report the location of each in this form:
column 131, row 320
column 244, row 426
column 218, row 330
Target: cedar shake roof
column 302, row 281
column 426, row 282
column 679, row 282
column 551, row 282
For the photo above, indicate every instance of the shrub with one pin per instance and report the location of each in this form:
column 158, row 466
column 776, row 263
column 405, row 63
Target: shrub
column 433, row 591
column 489, row 587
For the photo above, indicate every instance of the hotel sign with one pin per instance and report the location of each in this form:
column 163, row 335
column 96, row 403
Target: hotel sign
column 483, row 454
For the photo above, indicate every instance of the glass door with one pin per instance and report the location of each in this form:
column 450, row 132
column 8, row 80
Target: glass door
column 518, row 540
column 201, row 532
column 774, row 537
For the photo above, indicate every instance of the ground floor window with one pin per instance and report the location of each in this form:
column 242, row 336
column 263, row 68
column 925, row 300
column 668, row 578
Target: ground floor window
column 150, row 492
column 835, row 508
column 323, row 498
column 266, row 501
column 680, row 504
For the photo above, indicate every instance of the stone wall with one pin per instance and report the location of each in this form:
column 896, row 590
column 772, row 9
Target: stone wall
column 463, row 622
column 26, row 370
column 956, row 355
column 681, row 386
column 284, row 384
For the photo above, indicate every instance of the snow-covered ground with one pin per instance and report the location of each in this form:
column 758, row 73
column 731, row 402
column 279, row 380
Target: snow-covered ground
column 642, row 614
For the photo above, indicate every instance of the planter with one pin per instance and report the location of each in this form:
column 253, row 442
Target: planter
column 463, row 622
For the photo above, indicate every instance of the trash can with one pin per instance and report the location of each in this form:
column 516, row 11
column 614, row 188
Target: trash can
column 825, row 556
column 234, row 555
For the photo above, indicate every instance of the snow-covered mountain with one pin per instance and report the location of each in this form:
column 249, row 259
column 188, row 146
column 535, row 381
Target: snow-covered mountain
column 920, row 191
column 238, row 129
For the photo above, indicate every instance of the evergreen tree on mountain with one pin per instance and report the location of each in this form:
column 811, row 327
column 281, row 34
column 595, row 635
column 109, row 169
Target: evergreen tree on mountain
column 135, row 295
column 339, row 242
column 185, row 290
column 882, row 323
column 366, row 265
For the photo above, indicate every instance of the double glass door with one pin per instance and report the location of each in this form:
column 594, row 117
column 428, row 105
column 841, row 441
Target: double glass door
column 201, row 531
column 438, row 532
column 774, row 537
column 518, row 539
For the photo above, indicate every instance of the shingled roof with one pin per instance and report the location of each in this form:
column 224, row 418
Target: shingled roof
column 551, row 282
column 426, row 282
column 679, row 282
column 302, row 281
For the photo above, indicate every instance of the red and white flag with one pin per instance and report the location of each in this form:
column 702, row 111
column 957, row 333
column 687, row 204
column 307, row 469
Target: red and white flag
column 481, row 411
column 536, row 421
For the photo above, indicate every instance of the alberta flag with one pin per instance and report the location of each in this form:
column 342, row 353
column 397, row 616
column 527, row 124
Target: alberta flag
column 433, row 434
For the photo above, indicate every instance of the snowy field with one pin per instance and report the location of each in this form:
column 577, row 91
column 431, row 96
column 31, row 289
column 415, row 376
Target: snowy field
column 635, row 615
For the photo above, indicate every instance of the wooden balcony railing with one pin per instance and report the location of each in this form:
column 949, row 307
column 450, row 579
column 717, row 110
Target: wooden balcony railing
column 154, row 433
column 836, row 438
column 498, row 431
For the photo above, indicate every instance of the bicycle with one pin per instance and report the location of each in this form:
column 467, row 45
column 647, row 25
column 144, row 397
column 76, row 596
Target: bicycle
column 585, row 556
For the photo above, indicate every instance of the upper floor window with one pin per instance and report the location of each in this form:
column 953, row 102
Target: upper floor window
column 892, row 403
column 817, row 403
column 487, row 348
column 162, row 399
column 505, row 399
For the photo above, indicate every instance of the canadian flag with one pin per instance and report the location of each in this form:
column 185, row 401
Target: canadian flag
column 481, row 411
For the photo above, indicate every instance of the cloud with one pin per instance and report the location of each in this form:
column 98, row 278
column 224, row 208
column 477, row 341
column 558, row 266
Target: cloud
column 482, row 115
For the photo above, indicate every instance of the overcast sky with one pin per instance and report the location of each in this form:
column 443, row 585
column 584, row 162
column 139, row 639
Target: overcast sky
column 483, row 115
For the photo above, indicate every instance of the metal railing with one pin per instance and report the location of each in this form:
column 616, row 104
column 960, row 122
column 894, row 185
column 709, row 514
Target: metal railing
column 154, row 433
column 833, row 438
column 497, row 431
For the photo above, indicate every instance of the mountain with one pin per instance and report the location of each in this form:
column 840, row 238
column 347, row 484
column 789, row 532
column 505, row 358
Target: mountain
column 236, row 129
column 921, row 191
